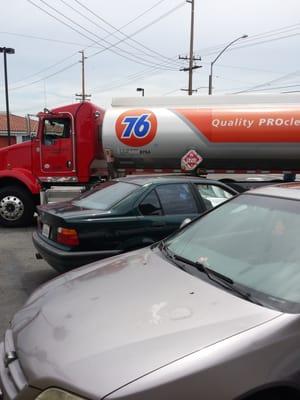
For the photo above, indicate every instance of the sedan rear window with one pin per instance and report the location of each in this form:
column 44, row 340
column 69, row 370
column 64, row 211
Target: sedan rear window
column 105, row 195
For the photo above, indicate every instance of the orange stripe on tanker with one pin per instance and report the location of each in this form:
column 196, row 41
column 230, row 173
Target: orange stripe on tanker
column 244, row 125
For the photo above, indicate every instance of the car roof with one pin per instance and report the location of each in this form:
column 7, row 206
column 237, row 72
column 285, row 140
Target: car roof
column 148, row 179
column 283, row 190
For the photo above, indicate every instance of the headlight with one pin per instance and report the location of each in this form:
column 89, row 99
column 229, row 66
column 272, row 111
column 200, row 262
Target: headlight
column 57, row 394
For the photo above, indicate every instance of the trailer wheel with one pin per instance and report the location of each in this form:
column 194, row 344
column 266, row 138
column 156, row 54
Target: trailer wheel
column 16, row 207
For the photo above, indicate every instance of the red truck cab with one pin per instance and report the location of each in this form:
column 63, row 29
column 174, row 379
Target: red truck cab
column 66, row 149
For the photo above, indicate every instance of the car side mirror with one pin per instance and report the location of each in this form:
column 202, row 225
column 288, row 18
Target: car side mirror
column 185, row 222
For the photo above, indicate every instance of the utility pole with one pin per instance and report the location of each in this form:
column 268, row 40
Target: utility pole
column 191, row 57
column 83, row 96
column 7, row 50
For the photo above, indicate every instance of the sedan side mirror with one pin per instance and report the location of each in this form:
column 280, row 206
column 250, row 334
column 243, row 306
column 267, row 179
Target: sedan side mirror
column 185, row 222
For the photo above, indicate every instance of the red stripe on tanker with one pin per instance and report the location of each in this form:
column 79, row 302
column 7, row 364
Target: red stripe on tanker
column 245, row 126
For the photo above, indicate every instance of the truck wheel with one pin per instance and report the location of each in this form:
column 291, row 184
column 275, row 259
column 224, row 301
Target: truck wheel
column 16, row 207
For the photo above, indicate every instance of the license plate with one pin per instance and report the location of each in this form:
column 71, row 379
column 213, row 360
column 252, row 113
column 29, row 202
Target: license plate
column 46, row 230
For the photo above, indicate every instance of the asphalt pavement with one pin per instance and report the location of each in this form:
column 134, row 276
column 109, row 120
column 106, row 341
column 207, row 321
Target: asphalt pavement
column 20, row 272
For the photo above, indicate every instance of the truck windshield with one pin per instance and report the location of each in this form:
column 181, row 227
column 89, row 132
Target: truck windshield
column 253, row 241
column 105, row 195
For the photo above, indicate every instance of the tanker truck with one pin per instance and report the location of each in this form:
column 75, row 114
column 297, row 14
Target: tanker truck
column 80, row 144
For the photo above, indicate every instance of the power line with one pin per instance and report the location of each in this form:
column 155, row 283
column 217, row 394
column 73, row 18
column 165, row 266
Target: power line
column 275, row 88
column 234, row 80
column 118, row 30
column 171, row 92
column 141, row 15
column 146, row 26
column 267, row 41
column 144, row 72
column 262, row 85
column 243, row 68
column 134, row 19
column 42, row 38
column 47, row 68
column 237, row 47
column 275, row 31
column 44, row 78
column 151, row 66
column 74, row 54
column 120, row 80
column 95, row 23
column 262, row 35
column 129, row 56
column 150, row 72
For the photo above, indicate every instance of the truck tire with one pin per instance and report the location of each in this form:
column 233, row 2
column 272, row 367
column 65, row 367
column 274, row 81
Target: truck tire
column 16, row 207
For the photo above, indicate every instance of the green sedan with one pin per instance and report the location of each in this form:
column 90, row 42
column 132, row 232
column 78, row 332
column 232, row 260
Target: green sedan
column 121, row 215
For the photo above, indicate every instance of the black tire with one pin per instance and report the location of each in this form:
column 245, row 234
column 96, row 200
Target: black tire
column 16, row 207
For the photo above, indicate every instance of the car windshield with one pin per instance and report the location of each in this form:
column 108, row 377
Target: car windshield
column 105, row 195
column 253, row 241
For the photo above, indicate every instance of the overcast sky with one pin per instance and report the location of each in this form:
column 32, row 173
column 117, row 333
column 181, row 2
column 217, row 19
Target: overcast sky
column 134, row 43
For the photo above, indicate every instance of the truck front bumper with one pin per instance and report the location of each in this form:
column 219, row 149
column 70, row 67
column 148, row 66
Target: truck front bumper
column 63, row 261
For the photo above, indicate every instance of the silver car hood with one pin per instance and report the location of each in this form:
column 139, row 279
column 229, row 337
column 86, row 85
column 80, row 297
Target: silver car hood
column 95, row 329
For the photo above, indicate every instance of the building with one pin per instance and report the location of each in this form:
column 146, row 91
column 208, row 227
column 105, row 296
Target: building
column 20, row 129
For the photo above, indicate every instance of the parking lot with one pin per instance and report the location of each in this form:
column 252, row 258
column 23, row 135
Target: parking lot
column 20, row 271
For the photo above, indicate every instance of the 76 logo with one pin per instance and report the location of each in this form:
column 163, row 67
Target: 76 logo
column 136, row 128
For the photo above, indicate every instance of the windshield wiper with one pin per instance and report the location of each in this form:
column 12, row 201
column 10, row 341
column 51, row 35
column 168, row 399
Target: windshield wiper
column 218, row 278
column 169, row 254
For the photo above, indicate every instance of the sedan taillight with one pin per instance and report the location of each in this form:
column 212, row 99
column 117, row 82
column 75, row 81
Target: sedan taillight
column 67, row 236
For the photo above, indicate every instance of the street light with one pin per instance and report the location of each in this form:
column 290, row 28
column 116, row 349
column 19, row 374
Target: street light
column 139, row 89
column 218, row 56
column 7, row 50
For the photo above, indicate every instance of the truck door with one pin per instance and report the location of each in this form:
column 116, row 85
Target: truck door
column 57, row 146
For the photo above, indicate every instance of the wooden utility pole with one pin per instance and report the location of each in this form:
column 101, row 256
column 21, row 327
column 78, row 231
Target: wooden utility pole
column 191, row 57
column 191, row 61
column 83, row 96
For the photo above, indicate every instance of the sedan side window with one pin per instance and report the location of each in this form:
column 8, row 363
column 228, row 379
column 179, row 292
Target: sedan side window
column 213, row 195
column 177, row 199
column 150, row 205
